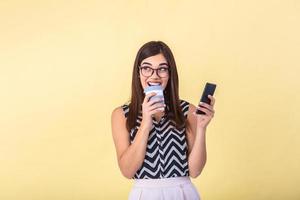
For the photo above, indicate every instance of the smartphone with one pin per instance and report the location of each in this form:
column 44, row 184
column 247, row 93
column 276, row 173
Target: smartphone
column 209, row 89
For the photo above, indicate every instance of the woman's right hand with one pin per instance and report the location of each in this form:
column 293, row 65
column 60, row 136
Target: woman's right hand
column 150, row 108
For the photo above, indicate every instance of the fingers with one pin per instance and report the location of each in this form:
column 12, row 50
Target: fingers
column 154, row 101
column 205, row 105
column 148, row 96
column 157, row 107
column 152, row 105
column 211, row 105
column 212, row 100
column 207, row 111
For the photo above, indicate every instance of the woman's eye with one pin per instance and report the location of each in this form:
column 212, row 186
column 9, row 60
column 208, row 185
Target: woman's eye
column 163, row 69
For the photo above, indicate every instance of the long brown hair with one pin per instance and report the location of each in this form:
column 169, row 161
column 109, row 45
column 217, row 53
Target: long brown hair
column 171, row 94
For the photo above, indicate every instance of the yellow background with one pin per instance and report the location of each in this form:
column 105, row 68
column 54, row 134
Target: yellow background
column 65, row 65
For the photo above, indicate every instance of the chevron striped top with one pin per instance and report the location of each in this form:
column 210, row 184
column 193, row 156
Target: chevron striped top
column 166, row 153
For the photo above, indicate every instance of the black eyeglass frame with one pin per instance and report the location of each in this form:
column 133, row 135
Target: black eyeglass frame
column 167, row 68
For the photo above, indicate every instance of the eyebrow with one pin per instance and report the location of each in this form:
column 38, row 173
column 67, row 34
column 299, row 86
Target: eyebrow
column 158, row 65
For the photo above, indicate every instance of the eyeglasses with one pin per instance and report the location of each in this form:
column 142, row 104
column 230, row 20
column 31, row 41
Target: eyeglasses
column 161, row 72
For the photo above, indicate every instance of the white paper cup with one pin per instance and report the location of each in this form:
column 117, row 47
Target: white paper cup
column 159, row 93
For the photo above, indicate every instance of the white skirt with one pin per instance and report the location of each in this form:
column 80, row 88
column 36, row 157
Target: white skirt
column 178, row 188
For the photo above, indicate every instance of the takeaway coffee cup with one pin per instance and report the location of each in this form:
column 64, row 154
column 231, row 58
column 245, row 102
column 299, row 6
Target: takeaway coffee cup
column 159, row 93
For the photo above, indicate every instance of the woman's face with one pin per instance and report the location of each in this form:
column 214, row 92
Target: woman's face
column 154, row 70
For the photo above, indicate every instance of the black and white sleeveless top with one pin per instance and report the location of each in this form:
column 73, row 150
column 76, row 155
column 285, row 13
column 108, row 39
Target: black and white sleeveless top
column 166, row 153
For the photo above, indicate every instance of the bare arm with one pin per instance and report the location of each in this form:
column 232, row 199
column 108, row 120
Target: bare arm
column 196, row 137
column 130, row 156
column 196, row 145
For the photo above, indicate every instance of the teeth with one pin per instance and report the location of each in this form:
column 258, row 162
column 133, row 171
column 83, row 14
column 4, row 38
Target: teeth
column 150, row 83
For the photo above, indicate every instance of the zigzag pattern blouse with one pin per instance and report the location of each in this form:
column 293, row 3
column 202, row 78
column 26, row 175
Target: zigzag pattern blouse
column 166, row 153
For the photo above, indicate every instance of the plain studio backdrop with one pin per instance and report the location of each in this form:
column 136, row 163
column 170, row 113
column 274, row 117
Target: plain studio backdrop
column 65, row 65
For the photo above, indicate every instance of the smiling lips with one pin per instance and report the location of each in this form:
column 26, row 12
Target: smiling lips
column 153, row 83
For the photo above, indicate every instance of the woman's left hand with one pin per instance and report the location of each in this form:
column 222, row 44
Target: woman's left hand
column 203, row 120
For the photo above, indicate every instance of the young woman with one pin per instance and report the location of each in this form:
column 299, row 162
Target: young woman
column 159, row 149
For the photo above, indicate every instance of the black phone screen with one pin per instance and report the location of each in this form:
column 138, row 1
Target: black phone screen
column 209, row 89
